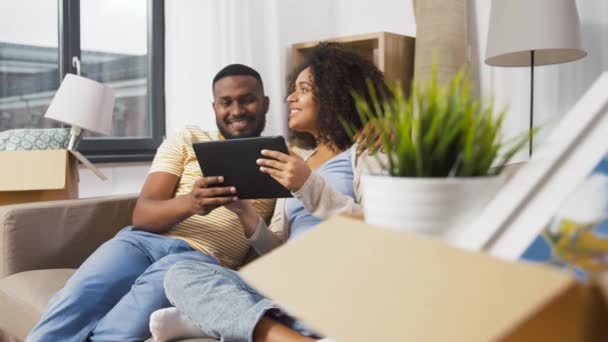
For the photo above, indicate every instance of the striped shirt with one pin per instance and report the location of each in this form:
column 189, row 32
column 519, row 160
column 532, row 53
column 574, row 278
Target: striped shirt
column 219, row 233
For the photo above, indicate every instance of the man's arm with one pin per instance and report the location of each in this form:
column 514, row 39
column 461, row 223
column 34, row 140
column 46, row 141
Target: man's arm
column 157, row 210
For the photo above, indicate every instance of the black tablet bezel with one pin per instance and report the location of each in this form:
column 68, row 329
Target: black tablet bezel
column 235, row 160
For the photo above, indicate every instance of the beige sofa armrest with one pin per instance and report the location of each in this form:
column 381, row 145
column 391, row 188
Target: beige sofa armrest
column 58, row 234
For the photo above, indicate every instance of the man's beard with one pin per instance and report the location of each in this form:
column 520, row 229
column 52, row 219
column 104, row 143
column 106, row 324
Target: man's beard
column 255, row 132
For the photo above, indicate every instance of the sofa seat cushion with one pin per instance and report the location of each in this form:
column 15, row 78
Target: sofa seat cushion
column 23, row 297
column 188, row 340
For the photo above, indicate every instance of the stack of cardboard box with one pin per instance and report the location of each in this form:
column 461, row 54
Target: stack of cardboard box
column 45, row 175
column 354, row 282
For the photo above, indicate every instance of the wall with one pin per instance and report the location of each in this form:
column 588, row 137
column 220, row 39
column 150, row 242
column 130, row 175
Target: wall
column 191, row 60
column 202, row 36
column 508, row 87
column 122, row 179
column 356, row 17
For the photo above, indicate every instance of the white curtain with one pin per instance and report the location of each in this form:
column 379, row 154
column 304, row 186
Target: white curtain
column 248, row 34
column 560, row 86
column 204, row 36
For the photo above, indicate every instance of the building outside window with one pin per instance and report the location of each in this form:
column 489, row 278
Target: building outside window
column 119, row 43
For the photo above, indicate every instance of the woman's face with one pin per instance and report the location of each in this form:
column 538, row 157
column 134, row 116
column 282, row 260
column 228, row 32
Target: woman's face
column 303, row 105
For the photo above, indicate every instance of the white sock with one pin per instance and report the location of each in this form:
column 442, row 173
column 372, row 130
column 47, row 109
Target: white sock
column 170, row 324
column 326, row 340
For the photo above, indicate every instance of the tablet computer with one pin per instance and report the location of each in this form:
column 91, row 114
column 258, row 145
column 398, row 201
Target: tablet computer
column 235, row 160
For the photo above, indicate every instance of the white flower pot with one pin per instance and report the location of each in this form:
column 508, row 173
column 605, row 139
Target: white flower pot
column 439, row 207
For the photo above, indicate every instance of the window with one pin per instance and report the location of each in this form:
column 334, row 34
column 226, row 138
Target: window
column 119, row 43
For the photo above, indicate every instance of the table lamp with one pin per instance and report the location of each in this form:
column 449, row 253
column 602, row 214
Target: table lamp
column 533, row 32
column 83, row 104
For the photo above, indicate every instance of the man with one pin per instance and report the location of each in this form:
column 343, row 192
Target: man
column 178, row 216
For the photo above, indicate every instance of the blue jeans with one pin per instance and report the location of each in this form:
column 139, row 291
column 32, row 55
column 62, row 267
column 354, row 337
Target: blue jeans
column 113, row 293
column 221, row 303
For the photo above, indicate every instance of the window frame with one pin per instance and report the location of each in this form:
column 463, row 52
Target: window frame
column 121, row 149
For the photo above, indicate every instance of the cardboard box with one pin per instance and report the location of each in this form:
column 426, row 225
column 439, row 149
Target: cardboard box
column 45, row 175
column 354, row 282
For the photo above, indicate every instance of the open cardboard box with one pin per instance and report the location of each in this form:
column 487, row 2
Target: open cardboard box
column 43, row 175
column 354, row 282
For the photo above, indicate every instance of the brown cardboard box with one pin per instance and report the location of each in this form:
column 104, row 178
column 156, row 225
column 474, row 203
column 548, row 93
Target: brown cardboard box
column 31, row 176
column 354, row 282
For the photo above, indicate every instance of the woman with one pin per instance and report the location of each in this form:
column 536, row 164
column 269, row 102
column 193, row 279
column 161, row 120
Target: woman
column 323, row 183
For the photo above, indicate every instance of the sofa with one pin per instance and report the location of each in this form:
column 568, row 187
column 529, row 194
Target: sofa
column 41, row 244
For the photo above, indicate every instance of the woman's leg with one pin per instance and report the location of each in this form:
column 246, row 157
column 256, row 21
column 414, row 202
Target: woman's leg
column 270, row 330
column 170, row 324
column 223, row 305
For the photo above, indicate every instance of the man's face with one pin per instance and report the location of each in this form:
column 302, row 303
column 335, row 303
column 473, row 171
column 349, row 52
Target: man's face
column 240, row 106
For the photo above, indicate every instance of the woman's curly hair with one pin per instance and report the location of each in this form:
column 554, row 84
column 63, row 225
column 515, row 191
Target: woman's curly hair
column 337, row 72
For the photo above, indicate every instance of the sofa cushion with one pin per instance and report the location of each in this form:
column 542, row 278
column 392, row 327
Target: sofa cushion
column 23, row 297
column 34, row 139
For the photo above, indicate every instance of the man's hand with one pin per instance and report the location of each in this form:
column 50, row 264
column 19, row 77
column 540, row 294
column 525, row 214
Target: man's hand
column 289, row 170
column 204, row 199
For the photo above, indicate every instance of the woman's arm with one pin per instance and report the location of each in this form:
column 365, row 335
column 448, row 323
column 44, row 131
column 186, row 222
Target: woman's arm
column 318, row 197
column 263, row 238
column 322, row 201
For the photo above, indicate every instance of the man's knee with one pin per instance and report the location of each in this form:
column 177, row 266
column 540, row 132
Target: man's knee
column 83, row 294
column 124, row 240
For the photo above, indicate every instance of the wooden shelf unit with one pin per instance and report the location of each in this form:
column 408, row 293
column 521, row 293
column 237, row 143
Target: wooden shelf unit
column 392, row 53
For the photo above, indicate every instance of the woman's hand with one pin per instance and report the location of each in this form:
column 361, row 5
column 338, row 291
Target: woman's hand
column 289, row 170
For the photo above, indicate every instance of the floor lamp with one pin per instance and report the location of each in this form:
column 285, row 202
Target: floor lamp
column 533, row 33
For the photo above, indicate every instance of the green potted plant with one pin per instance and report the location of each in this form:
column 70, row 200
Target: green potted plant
column 443, row 155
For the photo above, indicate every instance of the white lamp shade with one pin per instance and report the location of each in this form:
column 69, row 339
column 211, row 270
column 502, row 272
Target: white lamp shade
column 84, row 103
column 550, row 28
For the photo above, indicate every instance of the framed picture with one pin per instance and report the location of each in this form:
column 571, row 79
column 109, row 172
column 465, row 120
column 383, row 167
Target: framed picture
column 557, row 203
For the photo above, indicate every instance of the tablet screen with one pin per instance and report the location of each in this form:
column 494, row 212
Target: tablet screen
column 234, row 159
